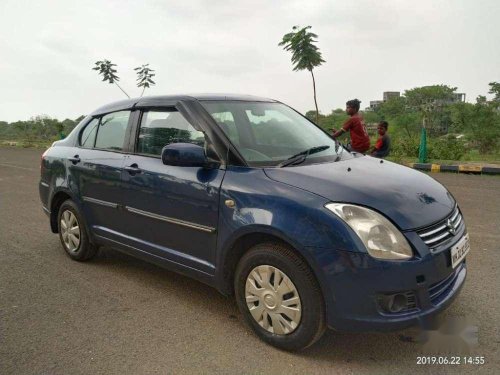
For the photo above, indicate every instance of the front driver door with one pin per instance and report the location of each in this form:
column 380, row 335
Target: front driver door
column 170, row 211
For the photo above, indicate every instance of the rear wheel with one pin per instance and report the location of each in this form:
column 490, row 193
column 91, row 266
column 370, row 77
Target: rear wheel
column 73, row 232
column 279, row 297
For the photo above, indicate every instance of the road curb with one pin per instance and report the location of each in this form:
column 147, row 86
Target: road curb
column 461, row 168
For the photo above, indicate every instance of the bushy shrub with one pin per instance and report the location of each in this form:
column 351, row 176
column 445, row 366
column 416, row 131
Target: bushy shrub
column 446, row 148
column 404, row 147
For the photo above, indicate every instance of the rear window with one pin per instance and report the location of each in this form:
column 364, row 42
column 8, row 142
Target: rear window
column 111, row 131
column 87, row 136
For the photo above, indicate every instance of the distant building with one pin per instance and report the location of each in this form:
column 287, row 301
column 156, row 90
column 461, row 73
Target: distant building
column 390, row 94
column 386, row 95
column 374, row 104
column 458, row 97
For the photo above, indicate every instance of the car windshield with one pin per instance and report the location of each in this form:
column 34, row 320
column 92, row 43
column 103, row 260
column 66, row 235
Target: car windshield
column 270, row 134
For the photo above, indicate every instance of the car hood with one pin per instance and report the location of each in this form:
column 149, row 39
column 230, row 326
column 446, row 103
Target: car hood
column 409, row 198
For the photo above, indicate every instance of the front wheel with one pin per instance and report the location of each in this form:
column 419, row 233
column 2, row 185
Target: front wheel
column 279, row 297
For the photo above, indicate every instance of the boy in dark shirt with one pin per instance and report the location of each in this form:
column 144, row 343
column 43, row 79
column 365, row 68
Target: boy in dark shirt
column 383, row 145
column 360, row 142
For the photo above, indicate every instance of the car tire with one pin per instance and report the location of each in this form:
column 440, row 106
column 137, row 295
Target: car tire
column 277, row 316
column 73, row 232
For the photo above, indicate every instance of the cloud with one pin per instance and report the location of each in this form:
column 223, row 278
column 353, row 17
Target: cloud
column 49, row 48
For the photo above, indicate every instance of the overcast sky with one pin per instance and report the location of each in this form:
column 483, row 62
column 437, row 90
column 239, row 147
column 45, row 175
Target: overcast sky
column 47, row 50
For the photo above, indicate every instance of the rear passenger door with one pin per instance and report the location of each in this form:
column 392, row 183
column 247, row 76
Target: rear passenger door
column 96, row 171
column 170, row 211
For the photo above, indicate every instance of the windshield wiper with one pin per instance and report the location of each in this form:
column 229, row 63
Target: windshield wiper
column 301, row 156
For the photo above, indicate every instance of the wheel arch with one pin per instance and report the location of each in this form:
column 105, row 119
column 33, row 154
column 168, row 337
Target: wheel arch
column 57, row 200
column 244, row 240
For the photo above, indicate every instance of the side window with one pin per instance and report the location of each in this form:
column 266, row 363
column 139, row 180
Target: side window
column 226, row 122
column 87, row 136
column 159, row 129
column 111, row 131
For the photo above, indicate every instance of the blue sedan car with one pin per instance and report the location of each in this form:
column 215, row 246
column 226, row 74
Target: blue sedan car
column 247, row 195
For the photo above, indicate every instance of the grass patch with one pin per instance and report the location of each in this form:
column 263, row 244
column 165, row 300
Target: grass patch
column 24, row 143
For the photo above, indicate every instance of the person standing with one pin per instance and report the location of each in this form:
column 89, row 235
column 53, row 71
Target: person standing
column 355, row 125
column 383, row 145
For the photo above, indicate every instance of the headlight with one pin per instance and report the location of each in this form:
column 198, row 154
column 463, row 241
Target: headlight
column 380, row 237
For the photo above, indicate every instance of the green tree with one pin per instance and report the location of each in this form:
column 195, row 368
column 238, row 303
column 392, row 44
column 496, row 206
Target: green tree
column 432, row 102
column 43, row 127
column 486, row 127
column 68, row 125
column 481, row 99
column 419, row 96
column 5, row 130
column 393, row 107
column 24, row 129
column 305, row 54
column 462, row 114
column 495, row 90
column 144, row 77
column 481, row 121
column 106, row 69
column 311, row 114
column 371, row 117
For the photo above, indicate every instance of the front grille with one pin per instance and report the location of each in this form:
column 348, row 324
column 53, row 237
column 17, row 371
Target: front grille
column 442, row 231
column 439, row 290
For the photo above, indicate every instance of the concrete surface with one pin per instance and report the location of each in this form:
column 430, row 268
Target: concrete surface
column 118, row 315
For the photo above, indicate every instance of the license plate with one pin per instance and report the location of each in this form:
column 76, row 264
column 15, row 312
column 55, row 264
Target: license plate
column 459, row 251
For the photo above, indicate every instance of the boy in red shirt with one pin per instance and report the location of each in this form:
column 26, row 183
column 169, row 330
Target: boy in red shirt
column 383, row 145
column 360, row 142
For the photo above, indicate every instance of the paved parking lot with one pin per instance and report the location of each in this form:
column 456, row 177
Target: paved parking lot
column 118, row 315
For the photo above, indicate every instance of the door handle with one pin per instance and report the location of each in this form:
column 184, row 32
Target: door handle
column 133, row 169
column 75, row 159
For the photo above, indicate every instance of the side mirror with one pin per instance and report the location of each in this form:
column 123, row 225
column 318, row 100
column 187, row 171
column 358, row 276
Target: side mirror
column 184, row 155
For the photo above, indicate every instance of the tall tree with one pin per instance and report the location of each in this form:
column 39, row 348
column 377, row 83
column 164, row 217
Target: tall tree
column 432, row 102
column 495, row 90
column 108, row 72
column 305, row 54
column 392, row 107
column 434, row 94
column 145, row 77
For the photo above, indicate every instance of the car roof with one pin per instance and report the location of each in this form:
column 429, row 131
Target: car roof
column 160, row 100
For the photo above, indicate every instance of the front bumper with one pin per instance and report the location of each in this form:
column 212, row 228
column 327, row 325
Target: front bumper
column 422, row 315
column 355, row 281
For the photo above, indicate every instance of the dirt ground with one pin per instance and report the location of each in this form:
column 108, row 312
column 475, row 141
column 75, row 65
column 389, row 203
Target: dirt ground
column 119, row 315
